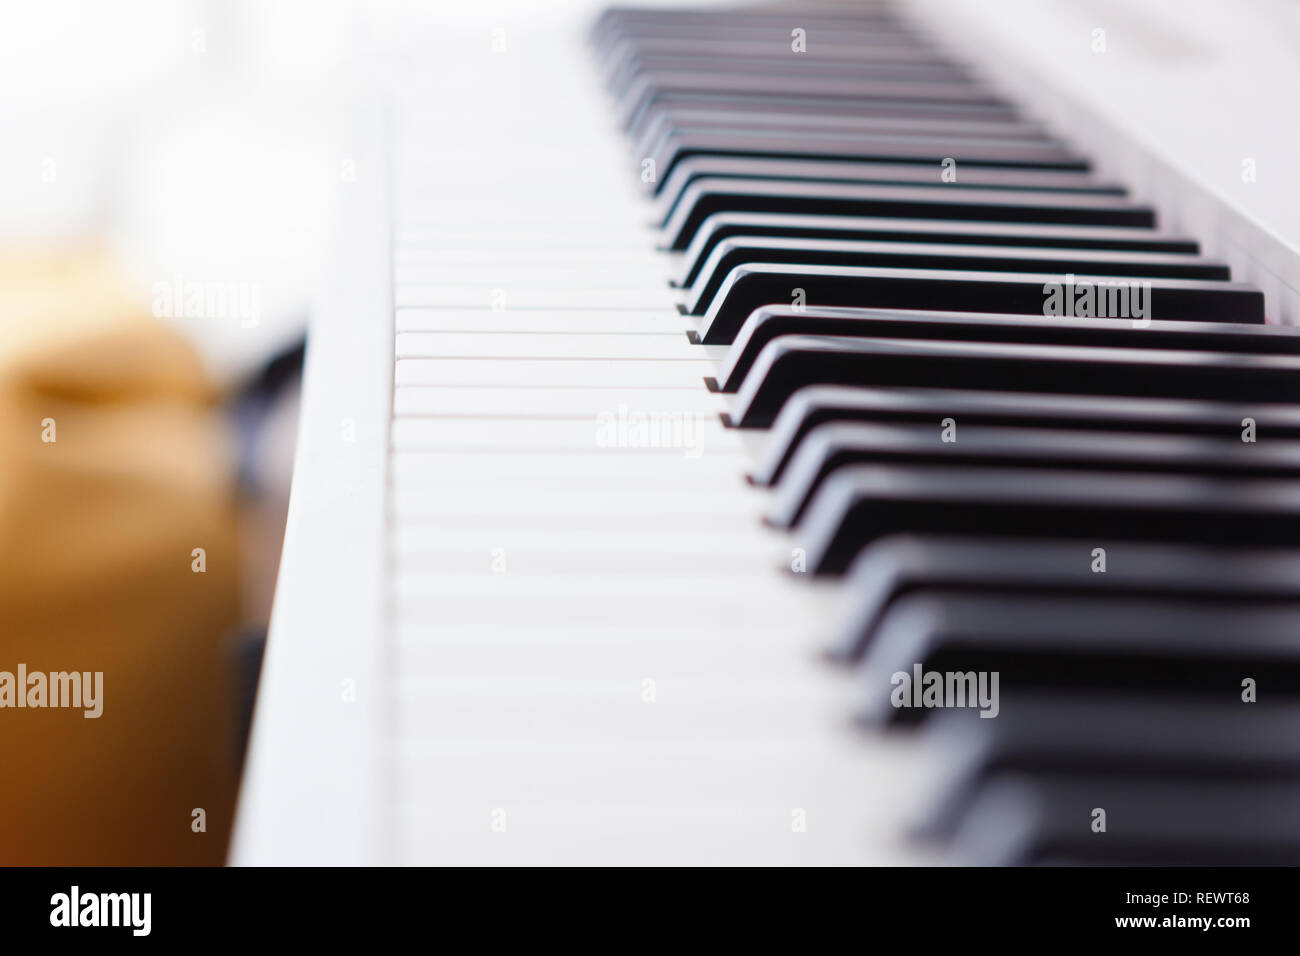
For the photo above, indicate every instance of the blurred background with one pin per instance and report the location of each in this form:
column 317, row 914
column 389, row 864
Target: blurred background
column 168, row 184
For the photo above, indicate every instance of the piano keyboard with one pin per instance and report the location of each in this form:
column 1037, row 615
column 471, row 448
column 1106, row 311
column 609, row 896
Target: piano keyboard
column 751, row 502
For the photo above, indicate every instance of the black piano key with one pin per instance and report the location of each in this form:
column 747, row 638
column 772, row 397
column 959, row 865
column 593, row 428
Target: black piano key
column 768, row 323
column 615, row 51
column 618, row 72
column 750, row 169
column 863, row 26
column 863, row 147
column 863, row 70
column 705, row 197
column 871, row 33
column 722, row 47
column 728, row 224
column 737, row 252
column 840, row 150
column 680, row 116
column 752, row 286
column 895, row 566
column 1192, row 650
column 652, row 87
column 791, row 362
column 1027, row 820
column 816, row 404
column 864, row 503
column 663, row 122
column 741, row 104
column 1134, row 737
column 837, row 445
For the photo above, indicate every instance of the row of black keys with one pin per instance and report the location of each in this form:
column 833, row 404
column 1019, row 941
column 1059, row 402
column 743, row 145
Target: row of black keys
column 1166, row 450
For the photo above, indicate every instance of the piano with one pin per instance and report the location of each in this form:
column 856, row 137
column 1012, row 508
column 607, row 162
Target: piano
column 797, row 435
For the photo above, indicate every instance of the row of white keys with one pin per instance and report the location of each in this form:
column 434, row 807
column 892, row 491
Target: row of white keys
column 599, row 653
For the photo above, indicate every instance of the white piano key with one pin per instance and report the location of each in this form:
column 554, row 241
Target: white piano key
column 555, row 373
column 417, row 525
column 534, row 297
column 511, row 700
column 679, row 434
column 604, row 587
column 540, row 320
column 512, row 608
column 630, row 486
column 594, row 467
column 418, row 203
column 534, row 402
column 458, row 205
column 588, row 275
column 572, row 550
column 669, row 346
column 452, row 504
column 440, row 235
column 588, row 508
column 428, row 631
column 465, row 253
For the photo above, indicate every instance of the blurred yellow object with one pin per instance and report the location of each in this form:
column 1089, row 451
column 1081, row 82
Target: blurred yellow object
column 114, row 468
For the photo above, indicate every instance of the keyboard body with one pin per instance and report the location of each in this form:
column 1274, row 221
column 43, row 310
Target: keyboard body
column 689, row 395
